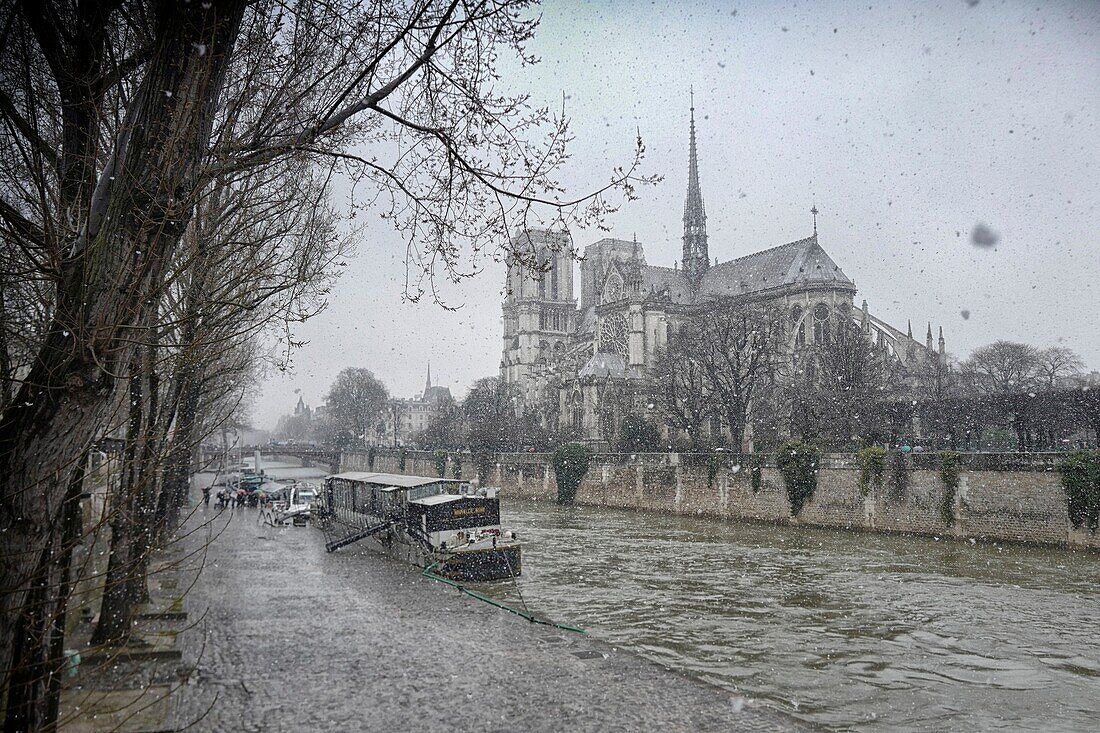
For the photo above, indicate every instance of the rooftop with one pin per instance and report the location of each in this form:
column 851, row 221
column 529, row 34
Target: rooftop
column 801, row 261
column 392, row 479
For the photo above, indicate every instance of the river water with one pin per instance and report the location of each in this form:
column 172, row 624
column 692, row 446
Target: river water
column 850, row 630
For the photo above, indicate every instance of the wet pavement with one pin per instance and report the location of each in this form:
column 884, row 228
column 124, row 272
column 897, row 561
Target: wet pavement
column 287, row 637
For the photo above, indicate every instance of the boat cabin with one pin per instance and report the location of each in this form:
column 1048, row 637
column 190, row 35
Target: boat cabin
column 442, row 512
column 452, row 520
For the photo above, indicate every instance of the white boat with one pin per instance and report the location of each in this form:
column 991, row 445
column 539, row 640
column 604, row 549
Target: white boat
column 296, row 505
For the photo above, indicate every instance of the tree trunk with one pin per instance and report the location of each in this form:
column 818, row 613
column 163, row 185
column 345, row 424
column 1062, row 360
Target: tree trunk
column 70, row 537
column 116, row 609
column 149, row 474
column 134, row 220
column 33, row 683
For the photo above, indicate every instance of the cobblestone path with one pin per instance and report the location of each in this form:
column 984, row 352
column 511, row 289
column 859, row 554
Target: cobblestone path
column 285, row 637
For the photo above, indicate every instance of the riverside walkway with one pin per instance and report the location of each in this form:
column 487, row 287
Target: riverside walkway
column 287, row 637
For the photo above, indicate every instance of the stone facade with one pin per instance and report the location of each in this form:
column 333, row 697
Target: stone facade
column 581, row 366
column 407, row 418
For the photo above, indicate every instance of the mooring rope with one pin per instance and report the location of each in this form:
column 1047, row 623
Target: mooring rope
column 493, row 602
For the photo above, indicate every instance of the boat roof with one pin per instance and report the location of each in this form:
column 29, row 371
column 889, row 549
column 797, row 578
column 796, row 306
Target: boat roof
column 395, row 480
column 439, row 499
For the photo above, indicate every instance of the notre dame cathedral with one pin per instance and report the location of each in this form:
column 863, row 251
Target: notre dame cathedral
column 572, row 362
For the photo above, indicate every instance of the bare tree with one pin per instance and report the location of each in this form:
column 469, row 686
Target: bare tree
column 352, row 405
column 116, row 131
column 126, row 219
column 680, row 382
column 1003, row 367
column 1057, row 364
column 737, row 343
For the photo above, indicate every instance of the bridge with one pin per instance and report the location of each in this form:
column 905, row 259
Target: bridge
column 308, row 455
column 328, row 458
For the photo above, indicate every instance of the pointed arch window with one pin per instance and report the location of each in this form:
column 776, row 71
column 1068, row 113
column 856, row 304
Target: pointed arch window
column 799, row 326
column 613, row 289
column 821, row 323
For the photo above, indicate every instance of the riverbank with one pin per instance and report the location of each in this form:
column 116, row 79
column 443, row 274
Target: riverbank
column 1000, row 497
column 288, row 637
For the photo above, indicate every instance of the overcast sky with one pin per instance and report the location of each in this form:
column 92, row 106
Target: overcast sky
column 909, row 124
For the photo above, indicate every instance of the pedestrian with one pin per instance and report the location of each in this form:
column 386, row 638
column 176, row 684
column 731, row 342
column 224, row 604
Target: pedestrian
column 206, row 495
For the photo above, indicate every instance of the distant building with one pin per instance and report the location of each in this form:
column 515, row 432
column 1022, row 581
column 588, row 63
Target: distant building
column 407, row 418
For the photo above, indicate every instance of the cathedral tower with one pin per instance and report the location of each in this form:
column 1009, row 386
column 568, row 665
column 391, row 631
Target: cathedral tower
column 539, row 308
column 696, row 256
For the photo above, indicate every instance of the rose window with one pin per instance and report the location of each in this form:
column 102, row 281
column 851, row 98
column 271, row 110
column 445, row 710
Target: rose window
column 613, row 335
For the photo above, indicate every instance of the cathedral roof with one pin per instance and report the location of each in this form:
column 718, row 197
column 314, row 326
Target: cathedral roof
column 802, row 261
column 437, row 393
column 602, row 365
column 656, row 279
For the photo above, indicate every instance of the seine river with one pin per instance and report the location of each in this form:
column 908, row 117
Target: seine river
column 853, row 631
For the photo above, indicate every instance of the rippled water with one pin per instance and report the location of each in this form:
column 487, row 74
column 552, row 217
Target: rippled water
column 850, row 630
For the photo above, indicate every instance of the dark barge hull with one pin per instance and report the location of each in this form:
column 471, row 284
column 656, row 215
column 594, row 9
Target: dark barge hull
column 481, row 565
column 492, row 563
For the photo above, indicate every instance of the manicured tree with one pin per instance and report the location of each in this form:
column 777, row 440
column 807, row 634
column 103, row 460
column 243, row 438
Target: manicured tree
column 872, row 467
column 756, row 468
column 949, row 475
column 798, row 462
column 570, row 466
column 1081, row 481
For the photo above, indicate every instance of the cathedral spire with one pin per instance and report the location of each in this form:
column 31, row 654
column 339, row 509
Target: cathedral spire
column 696, row 256
column 428, row 383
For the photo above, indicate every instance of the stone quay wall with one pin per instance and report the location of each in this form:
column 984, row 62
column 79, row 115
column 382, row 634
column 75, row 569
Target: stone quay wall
column 1004, row 497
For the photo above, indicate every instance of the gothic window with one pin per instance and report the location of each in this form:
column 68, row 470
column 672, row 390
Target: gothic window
column 613, row 290
column 578, row 411
column 613, row 335
column 542, row 284
column 799, row 326
column 554, row 279
column 821, row 323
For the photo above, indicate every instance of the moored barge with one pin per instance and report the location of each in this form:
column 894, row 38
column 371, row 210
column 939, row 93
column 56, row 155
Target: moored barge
column 448, row 523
